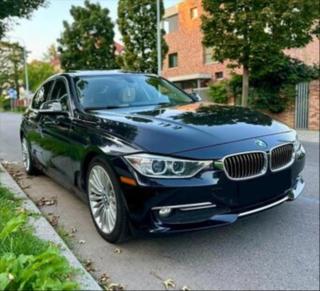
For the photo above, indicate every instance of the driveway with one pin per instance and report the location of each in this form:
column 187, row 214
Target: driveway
column 277, row 249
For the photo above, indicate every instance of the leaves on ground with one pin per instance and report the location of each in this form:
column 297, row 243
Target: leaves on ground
column 54, row 220
column 169, row 283
column 107, row 284
column 81, row 241
column 89, row 266
column 117, row 251
column 185, row 288
column 43, row 201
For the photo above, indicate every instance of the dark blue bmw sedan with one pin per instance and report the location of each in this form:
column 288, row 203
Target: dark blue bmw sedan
column 149, row 157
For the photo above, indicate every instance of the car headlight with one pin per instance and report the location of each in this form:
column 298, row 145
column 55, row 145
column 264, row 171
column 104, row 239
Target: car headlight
column 165, row 167
column 296, row 144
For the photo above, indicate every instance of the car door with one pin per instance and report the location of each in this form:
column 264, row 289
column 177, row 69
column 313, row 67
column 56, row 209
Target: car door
column 56, row 134
column 32, row 120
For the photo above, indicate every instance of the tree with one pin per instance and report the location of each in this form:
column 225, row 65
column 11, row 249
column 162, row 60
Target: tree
column 249, row 32
column 11, row 61
column 16, row 8
column 39, row 71
column 137, row 22
column 87, row 43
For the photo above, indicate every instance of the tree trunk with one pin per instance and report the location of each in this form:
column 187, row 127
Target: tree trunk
column 245, row 86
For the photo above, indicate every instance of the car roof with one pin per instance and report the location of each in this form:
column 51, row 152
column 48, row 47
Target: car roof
column 102, row 72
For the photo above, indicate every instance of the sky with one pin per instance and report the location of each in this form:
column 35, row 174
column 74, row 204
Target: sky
column 45, row 25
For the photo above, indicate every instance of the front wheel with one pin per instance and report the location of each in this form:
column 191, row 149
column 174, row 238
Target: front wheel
column 27, row 158
column 106, row 201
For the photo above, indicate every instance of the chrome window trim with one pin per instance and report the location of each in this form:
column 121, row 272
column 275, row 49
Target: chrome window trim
column 220, row 163
column 285, row 166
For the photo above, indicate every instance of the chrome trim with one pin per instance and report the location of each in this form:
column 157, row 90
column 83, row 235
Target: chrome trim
column 285, row 166
column 264, row 170
column 186, row 207
column 263, row 207
column 297, row 189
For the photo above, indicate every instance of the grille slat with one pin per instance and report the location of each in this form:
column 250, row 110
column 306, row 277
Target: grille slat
column 245, row 165
column 281, row 157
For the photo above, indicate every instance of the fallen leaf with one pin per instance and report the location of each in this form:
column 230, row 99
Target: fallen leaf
column 185, row 288
column 54, row 220
column 107, row 284
column 82, row 241
column 46, row 201
column 169, row 283
column 117, row 251
column 89, row 266
column 73, row 230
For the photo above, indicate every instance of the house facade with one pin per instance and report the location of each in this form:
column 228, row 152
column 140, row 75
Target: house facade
column 189, row 64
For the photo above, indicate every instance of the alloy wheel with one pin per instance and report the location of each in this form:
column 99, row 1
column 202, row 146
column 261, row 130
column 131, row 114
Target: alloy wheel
column 102, row 199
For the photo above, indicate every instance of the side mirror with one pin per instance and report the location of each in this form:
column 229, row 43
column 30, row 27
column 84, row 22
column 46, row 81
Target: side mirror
column 195, row 96
column 52, row 107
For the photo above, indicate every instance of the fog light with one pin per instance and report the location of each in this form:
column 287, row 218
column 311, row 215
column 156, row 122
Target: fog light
column 165, row 212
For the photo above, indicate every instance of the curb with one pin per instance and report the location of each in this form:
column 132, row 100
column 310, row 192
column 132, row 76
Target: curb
column 44, row 230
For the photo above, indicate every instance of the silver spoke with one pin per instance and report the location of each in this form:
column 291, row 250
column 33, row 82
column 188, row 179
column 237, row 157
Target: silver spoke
column 102, row 199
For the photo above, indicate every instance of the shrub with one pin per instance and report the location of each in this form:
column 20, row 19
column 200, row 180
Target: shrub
column 218, row 92
column 27, row 262
column 274, row 90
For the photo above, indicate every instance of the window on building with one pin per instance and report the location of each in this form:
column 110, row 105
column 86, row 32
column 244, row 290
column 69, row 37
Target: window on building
column 173, row 60
column 194, row 12
column 171, row 24
column 219, row 75
column 207, row 55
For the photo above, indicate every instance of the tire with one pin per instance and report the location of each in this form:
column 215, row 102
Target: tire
column 106, row 201
column 27, row 160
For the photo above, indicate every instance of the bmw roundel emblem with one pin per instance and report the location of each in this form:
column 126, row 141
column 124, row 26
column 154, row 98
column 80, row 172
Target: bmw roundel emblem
column 260, row 143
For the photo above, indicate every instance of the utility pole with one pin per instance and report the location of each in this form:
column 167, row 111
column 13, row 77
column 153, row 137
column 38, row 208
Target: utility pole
column 159, row 38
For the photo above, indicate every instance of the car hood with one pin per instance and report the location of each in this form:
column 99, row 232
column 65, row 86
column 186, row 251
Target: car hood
column 181, row 128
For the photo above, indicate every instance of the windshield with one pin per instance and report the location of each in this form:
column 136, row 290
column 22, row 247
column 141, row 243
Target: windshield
column 116, row 91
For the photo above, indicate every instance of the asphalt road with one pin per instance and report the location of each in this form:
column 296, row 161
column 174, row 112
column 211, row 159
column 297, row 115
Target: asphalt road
column 277, row 249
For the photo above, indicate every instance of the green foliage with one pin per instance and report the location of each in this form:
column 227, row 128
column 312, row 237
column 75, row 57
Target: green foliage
column 137, row 22
column 218, row 92
column 38, row 72
column 5, row 103
column 27, row 262
column 16, row 8
column 254, row 33
column 11, row 63
column 87, row 43
column 275, row 90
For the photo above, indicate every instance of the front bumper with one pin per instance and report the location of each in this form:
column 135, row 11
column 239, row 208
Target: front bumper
column 225, row 217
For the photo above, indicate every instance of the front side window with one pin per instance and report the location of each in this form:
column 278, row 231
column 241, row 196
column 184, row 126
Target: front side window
column 60, row 93
column 116, row 91
column 42, row 95
column 173, row 60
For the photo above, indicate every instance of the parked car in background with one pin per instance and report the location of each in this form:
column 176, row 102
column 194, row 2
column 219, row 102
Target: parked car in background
column 148, row 157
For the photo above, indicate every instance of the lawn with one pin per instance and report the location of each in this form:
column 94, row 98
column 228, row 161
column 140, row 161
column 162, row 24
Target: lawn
column 27, row 262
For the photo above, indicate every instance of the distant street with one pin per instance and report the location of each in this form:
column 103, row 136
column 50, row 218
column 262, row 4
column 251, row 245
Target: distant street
column 277, row 249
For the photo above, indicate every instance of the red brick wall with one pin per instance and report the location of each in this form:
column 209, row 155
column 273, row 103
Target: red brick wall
column 186, row 41
column 314, row 108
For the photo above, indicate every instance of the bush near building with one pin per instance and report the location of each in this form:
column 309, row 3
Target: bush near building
column 272, row 90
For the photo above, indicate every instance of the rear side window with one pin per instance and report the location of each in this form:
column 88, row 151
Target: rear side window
column 42, row 95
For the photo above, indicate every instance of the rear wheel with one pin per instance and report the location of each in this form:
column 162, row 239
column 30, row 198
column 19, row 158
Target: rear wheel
column 106, row 201
column 27, row 158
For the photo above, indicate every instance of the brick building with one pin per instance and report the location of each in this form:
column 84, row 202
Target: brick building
column 189, row 64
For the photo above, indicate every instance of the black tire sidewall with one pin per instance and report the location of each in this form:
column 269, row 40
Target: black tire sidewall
column 119, row 232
